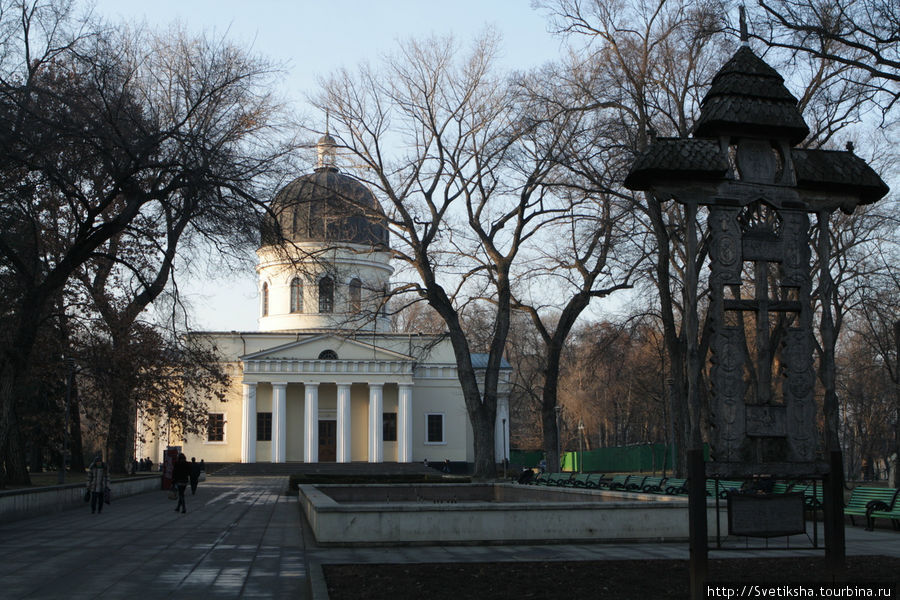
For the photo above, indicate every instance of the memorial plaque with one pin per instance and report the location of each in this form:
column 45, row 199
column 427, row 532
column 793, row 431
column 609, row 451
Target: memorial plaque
column 769, row 515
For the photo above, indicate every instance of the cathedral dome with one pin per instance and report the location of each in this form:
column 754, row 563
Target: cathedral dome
column 326, row 206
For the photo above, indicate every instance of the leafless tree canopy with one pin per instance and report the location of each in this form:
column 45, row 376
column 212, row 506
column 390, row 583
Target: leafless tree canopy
column 118, row 146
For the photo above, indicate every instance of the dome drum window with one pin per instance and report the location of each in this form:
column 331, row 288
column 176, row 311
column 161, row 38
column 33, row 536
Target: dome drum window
column 355, row 295
column 296, row 295
column 326, row 295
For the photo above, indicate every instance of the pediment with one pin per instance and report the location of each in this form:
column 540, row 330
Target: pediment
column 311, row 348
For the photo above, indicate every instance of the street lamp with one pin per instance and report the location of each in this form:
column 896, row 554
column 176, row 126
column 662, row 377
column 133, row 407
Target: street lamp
column 580, row 445
column 558, row 410
column 505, row 458
column 670, row 388
column 70, row 373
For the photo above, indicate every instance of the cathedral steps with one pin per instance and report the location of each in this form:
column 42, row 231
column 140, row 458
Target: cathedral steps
column 325, row 468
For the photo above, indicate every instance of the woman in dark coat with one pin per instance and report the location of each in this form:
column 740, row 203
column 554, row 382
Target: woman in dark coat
column 181, row 474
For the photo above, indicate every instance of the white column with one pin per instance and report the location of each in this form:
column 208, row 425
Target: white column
column 248, row 429
column 344, row 435
column 501, row 429
column 311, row 423
column 279, row 421
column 376, row 423
column 404, row 423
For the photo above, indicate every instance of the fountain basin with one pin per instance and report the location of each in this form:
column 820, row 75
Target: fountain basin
column 476, row 513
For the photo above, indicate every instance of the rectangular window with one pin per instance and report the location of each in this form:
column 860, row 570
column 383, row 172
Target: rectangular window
column 215, row 428
column 264, row 427
column 389, row 430
column 434, row 428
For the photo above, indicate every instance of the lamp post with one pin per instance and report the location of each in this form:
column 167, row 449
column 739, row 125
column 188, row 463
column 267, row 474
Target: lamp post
column 558, row 410
column 505, row 458
column 580, row 446
column 670, row 384
column 70, row 373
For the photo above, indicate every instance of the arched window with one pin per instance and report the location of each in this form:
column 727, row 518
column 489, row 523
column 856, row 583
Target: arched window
column 328, row 355
column 326, row 295
column 265, row 299
column 296, row 295
column 355, row 295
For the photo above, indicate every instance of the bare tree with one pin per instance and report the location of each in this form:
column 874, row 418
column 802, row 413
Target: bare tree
column 649, row 63
column 103, row 129
column 461, row 193
column 861, row 35
column 596, row 247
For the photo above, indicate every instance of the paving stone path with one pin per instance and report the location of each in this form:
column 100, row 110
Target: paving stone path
column 241, row 538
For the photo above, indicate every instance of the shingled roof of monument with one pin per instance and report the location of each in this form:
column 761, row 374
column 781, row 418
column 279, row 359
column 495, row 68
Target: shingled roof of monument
column 748, row 96
column 677, row 158
column 838, row 171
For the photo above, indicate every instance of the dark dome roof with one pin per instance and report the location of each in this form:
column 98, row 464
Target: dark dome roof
column 326, row 206
column 747, row 96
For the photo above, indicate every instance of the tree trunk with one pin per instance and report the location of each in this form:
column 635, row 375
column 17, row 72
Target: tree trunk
column 551, row 437
column 826, row 364
column 895, row 467
column 13, row 465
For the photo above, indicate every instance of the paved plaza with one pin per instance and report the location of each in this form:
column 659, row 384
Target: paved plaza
column 243, row 537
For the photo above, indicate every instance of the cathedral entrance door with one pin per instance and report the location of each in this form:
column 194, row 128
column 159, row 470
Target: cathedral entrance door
column 327, row 441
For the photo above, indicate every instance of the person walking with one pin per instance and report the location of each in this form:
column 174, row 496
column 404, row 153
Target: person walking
column 181, row 475
column 98, row 481
column 195, row 475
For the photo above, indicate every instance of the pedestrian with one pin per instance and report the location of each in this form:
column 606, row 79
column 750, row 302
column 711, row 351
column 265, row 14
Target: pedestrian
column 149, row 464
column 98, row 481
column 195, row 475
column 203, row 465
column 135, row 467
column 181, row 475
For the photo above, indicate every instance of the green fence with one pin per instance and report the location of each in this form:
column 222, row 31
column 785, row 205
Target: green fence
column 525, row 458
column 646, row 457
column 623, row 459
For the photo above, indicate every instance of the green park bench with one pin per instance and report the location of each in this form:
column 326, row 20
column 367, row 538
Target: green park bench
column 782, row 487
column 586, row 480
column 813, row 494
column 675, row 486
column 617, row 482
column 558, row 479
column 725, row 486
column 635, row 483
column 888, row 511
column 653, row 485
column 539, row 479
column 865, row 500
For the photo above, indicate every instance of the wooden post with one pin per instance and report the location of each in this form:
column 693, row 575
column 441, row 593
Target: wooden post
column 833, row 496
column 697, row 522
column 696, row 467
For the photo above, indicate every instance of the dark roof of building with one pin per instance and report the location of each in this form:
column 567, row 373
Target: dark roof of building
column 680, row 159
column 326, row 206
column 480, row 361
column 748, row 96
column 838, row 171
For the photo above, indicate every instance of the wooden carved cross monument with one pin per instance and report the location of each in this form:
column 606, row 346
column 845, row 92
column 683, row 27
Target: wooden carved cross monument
column 759, row 191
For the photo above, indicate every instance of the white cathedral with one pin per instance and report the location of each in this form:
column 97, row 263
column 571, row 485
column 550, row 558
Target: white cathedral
column 324, row 379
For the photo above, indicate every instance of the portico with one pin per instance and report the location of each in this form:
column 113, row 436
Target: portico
column 328, row 390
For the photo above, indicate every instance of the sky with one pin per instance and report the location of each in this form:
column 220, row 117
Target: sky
column 309, row 40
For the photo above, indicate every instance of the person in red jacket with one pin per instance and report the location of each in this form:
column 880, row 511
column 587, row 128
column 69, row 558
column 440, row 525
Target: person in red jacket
column 181, row 475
